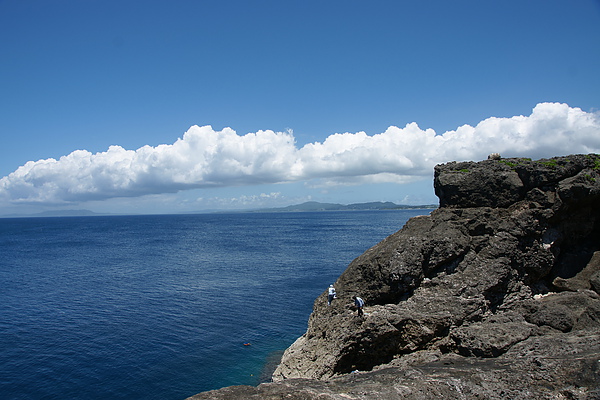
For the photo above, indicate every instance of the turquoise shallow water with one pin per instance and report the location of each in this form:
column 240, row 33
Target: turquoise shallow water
column 159, row 307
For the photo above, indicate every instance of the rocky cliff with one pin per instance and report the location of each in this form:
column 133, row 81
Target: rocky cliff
column 494, row 295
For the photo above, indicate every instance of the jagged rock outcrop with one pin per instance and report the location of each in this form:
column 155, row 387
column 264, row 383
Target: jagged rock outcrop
column 493, row 295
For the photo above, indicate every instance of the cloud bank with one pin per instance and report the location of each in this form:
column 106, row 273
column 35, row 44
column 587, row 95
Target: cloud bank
column 205, row 158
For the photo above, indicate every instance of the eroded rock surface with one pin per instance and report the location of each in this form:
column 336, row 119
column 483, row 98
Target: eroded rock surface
column 493, row 295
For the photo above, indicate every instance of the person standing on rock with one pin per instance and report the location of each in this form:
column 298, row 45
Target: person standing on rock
column 359, row 303
column 331, row 295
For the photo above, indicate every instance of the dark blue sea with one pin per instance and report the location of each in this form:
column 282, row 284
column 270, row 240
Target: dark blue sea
column 160, row 307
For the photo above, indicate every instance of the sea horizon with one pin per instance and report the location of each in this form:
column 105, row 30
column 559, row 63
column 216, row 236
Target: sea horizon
column 161, row 306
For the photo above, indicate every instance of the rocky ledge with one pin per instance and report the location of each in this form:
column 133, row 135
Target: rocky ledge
column 494, row 295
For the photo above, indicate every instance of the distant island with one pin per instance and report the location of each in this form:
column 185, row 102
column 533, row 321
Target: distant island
column 55, row 213
column 316, row 206
column 66, row 213
column 309, row 206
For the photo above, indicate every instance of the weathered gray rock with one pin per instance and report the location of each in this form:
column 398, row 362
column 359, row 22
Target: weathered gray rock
column 485, row 184
column 492, row 336
column 595, row 281
column 531, row 369
column 493, row 295
column 502, row 182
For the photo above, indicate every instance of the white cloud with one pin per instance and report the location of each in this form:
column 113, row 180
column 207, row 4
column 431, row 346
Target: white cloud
column 207, row 158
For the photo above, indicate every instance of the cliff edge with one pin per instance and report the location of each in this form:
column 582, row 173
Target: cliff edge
column 494, row 295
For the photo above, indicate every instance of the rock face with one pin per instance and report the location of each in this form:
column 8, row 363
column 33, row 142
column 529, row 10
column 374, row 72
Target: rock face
column 494, row 295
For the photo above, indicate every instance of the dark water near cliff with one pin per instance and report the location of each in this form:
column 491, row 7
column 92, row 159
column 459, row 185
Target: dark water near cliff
column 159, row 307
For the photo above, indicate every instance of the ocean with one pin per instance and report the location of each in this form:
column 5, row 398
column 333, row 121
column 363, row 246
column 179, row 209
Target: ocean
column 165, row 306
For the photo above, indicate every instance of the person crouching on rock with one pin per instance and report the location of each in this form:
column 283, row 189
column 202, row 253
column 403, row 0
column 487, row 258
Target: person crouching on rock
column 359, row 303
column 331, row 295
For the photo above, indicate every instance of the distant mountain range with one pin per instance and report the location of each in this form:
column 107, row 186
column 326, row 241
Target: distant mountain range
column 66, row 213
column 316, row 206
column 308, row 206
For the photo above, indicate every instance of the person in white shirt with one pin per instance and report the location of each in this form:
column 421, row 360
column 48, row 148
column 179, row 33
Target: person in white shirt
column 331, row 295
column 359, row 303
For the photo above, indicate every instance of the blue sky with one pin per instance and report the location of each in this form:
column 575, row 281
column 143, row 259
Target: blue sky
column 176, row 106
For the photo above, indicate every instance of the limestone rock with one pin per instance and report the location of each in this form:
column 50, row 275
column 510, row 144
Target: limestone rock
column 494, row 295
column 541, row 367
